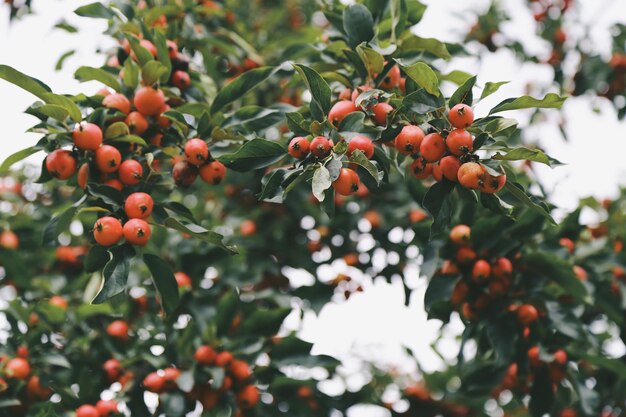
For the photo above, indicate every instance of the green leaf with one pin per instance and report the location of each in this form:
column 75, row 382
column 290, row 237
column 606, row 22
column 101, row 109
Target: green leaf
column 491, row 88
column 358, row 24
column 52, row 110
column 456, row 76
column 131, row 74
column 320, row 91
column 246, row 82
column 438, row 294
column 227, row 308
column 200, row 233
column 143, row 55
column 463, row 94
column 152, row 71
column 107, row 194
column 357, row 157
column 115, row 130
column 58, row 225
column 264, row 322
column 541, row 393
column 564, row 321
column 30, row 84
column 430, row 45
column 534, row 155
column 503, row 338
column 321, row 182
column 424, row 76
column 373, row 61
column 421, row 102
column 272, row 190
column 558, row 270
column 550, row 101
column 96, row 258
column 163, row 56
column 437, row 202
column 65, row 102
column 255, row 154
column 518, row 192
column 114, row 275
column 97, row 10
column 164, row 281
column 83, row 74
column 62, row 58
column 613, row 365
column 16, row 157
column 130, row 139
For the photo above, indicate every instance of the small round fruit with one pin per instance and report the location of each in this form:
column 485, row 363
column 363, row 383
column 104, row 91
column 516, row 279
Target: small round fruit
column 381, row 110
column 213, row 173
column 113, row 369
column 223, row 358
column 433, row 147
column 9, row 240
column 421, row 169
column 320, row 146
column 362, row 143
column 461, row 116
column 560, row 357
column 492, row 184
column 137, row 232
column 138, row 206
column 299, row 147
column 58, row 301
column 580, row 272
column 154, row 382
column 107, row 407
column 533, row 357
column 130, row 172
column 137, row 123
column 450, row 167
column 481, row 271
column 87, row 410
column 437, row 173
column 347, row 183
column 247, row 228
column 196, row 151
column 248, row 396
column 149, row 101
column 465, row 255
column 459, row 142
column 471, row 175
column 118, row 102
column 340, row 110
column 205, row 355
column 17, row 368
column 118, row 329
column 570, row 412
column 172, row 48
column 409, row 139
column 107, row 231
column 182, row 280
column 181, row 80
column 184, row 173
column 392, row 79
column 527, row 314
column 240, row 370
column 108, row 159
column 114, row 183
column 61, row 164
column 83, row 176
column 87, row 136
column 502, row 268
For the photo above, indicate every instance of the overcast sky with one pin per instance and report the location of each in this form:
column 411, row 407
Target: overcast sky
column 594, row 154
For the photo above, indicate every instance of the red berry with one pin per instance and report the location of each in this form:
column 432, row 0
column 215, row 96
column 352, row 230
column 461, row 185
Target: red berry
column 137, row 232
column 181, row 80
column 502, row 268
column 118, row 329
column 299, row 147
column 108, row 159
column 340, row 110
column 182, row 280
column 106, row 407
column 196, row 151
column 138, row 206
column 130, row 172
column 184, row 173
column 87, row 136
column 153, row 382
column 149, row 101
column 459, row 142
column 381, row 110
column 450, row 167
column 61, row 164
column 320, row 146
column 248, row 397
column 137, row 123
column 461, row 116
column 433, row 147
column 87, row 411
column 17, row 368
column 362, row 143
column 240, row 370
column 117, row 101
column 347, row 183
column 481, row 271
column 421, row 169
column 409, row 139
column 205, row 355
column 223, row 358
column 107, row 231
column 212, row 173
column 392, row 80
column 527, row 314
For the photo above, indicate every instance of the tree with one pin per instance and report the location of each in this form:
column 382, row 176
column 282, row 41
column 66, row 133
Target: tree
column 307, row 138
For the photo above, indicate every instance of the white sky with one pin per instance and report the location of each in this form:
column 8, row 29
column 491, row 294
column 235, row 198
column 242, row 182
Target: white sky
column 376, row 318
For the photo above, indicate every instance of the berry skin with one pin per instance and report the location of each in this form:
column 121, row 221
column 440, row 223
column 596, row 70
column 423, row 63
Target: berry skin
column 248, row 397
column 117, row 101
column 465, row 255
column 184, row 173
column 87, row 136
column 502, row 268
column 526, row 314
column 83, row 176
column 347, row 183
column 61, row 164
column 138, row 206
column 247, row 228
column 196, row 151
column 106, row 407
column 113, row 369
column 223, row 358
column 409, row 139
column 130, row 172
column 181, row 80
column 58, row 301
column 118, row 329
column 9, row 240
column 205, row 355
column 471, row 175
column 108, row 159
column 421, row 169
column 137, row 123
column 433, row 147
column 107, row 231
column 570, row 412
column 153, row 382
column 212, row 173
column 87, row 411
column 149, row 101
column 437, row 173
column 17, row 368
column 461, row 116
column 459, row 142
column 240, row 370
column 320, row 146
column 450, row 167
column 492, row 184
column 172, row 48
column 340, row 110
column 114, row 183
column 137, row 232
column 182, row 280
column 481, row 271
column 299, row 147
column 392, row 80
column 381, row 110
column 560, row 357
column 362, row 143
column 533, row 357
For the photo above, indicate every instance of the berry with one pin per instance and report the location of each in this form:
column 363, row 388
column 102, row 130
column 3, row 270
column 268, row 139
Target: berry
column 138, row 206
column 87, row 411
column 118, row 102
column 83, row 176
column 459, row 142
column 118, row 329
column 106, row 407
column 239, row 370
column 450, row 167
column 321, row 146
column 58, row 301
column 87, row 136
column 153, row 382
column 212, row 173
column 247, row 228
column 471, row 175
column 433, row 147
column 130, row 172
column 223, row 358
column 108, row 159
column 137, row 123
column 107, row 231
column 560, row 357
column 172, row 48
column 421, row 169
column 502, row 268
column 248, row 396
column 533, row 357
column 347, row 183
column 196, row 151
column 340, row 110
column 113, row 369
column 205, row 355
column 492, row 184
column 461, row 116
column 149, row 101
column 137, row 232
column 181, row 80
column 362, row 143
column 526, row 314
column 17, row 368
column 114, row 183
column 465, row 255
column 392, row 79
column 409, row 139
column 299, row 147
column 184, row 173
column 61, row 164
column 182, row 280
column 381, row 110
column 481, row 271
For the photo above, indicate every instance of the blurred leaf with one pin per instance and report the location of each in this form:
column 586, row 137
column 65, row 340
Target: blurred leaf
column 551, row 100
column 164, row 281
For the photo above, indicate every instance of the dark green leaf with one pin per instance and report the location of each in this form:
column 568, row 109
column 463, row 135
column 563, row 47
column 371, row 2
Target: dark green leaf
column 424, row 76
column 534, row 155
column 320, row 91
column 200, row 233
column 491, row 88
column 97, row 74
column 94, row 10
column 358, row 24
column 16, row 157
column 164, row 281
column 58, row 225
column 255, row 154
column 114, row 275
column 463, row 94
column 246, row 82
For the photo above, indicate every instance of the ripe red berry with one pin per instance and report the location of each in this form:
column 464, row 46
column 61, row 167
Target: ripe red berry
column 421, row 169
column 502, row 268
column 461, row 116
column 118, row 102
column 106, row 407
column 223, row 358
column 184, row 173
column 87, row 410
column 527, row 314
column 154, row 382
column 107, row 231
column 248, row 397
column 247, row 227
column 465, row 255
column 560, row 357
column 409, row 140
column 17, row 368
column 433, row 147
column 196, row 151
column 130, row 172
column 362, row 143
column 459, row 142
column 239, row 370
column 450, row 167
column 118, row 329
column 61, row 164
column 392, row 80
column 182, row 280
column 114, row 183
column 149, row 101
column 137, row 123
column 381, row 110
column 138, row 206
column 113, row 369
column 340, row 110
column 172, row 48
column 481, row 271
column 320, row 146
column 87, row 136
column 347, row 183
column 533, row 357
column 205, row 355
column 212, row 173
column 181, row 80
column 299, row 147
column 137, row 232
column 492, row 184
column 108, row 159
